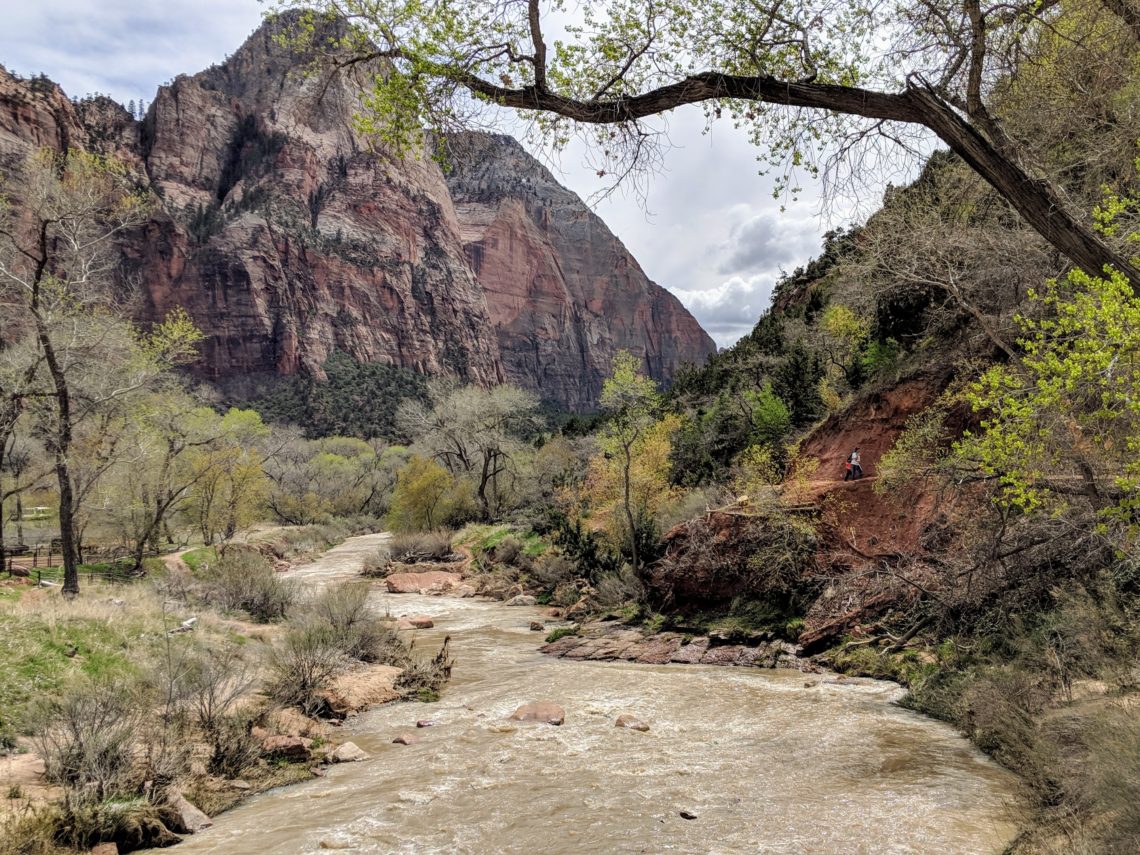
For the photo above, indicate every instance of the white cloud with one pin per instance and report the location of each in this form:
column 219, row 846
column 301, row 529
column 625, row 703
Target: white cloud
column 730, row 309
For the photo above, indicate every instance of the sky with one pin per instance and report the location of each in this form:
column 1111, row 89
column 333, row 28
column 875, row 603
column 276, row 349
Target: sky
column 706, row 227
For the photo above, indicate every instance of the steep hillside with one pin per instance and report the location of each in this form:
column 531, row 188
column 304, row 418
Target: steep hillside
column 288, row 236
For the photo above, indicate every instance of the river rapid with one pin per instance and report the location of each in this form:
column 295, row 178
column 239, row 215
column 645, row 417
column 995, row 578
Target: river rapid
column 764, row 763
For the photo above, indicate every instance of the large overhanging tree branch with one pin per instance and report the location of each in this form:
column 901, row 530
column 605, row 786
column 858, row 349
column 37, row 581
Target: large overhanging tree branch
column 800, row 75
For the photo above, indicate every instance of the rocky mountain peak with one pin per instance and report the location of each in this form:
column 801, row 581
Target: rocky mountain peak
column 288, row 236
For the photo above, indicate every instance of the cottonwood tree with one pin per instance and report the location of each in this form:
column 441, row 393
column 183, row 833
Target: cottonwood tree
column 177, row 447
column 229, row 485
column 57, row 263
column 474, row 432
column 631, row 401
column 803, row 78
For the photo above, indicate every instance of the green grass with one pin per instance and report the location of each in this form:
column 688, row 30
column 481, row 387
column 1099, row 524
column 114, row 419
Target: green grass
column 195, row 558
column 562, row 632
column 484, row 538
column 42, row 650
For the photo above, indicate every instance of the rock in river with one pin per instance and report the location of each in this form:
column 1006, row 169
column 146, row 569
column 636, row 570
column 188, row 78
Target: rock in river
column 349, row 752
column 546, row 712
column 631, row 723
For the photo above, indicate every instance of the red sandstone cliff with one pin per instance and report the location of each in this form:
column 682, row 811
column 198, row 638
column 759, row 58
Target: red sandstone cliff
column 563, row 291
column 286, row 235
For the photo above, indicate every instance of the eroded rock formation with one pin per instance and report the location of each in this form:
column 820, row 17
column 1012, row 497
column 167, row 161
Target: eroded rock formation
column 287, row 235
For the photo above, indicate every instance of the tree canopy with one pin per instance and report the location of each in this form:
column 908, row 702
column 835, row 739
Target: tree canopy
column 809, row 80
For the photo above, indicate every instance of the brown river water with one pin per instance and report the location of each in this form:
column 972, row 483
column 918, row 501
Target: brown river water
column 765, row 764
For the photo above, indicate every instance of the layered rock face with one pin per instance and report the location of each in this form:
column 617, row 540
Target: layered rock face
column 286, row 235
column 563, row 291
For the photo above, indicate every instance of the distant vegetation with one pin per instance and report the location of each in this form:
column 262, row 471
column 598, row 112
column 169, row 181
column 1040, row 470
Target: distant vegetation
column 356, row 399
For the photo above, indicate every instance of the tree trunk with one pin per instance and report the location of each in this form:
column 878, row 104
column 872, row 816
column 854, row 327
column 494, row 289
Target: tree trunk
column 629, row 513
column 61, row 443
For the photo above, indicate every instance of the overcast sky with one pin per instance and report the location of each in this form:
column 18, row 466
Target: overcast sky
column 708, row 228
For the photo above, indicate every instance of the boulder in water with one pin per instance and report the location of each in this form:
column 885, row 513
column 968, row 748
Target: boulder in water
column 521, row 600
column 406, row 739
column 630, row 722
column 546, row 712
column 536, row 626
column 349, row 752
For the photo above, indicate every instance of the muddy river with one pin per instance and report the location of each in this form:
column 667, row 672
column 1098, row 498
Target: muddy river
column 764, row 763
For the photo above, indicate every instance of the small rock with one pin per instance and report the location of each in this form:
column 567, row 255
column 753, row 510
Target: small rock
column 425, row 722
column 335, row 844
column 631, row 723
column 106, row 849
column 406, row 739
column 521, row 600
column 536, row 626
column 687, row 814
column 546, row 712
column 421, row 622
column 117, row 602
column 349, row 752
column 295, row 749
column 239, row 784
column 502, row 728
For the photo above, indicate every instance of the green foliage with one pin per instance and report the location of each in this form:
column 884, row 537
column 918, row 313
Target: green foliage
column 356, row 399
column 920, row 450
column 428, row 496
column 585, row 548
column 1065, row 419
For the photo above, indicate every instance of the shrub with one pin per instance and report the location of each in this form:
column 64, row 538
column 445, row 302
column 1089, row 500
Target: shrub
column 616, row 589
column 244, row 580
column 233, row 747
column 423, row 679
column 303, row 666
column 508, row 550
column 379, row 563
column 354, row 627
column 410, row 548
column 87, row 739
column 566, row 594
column 553, row 569
column 216, row 677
